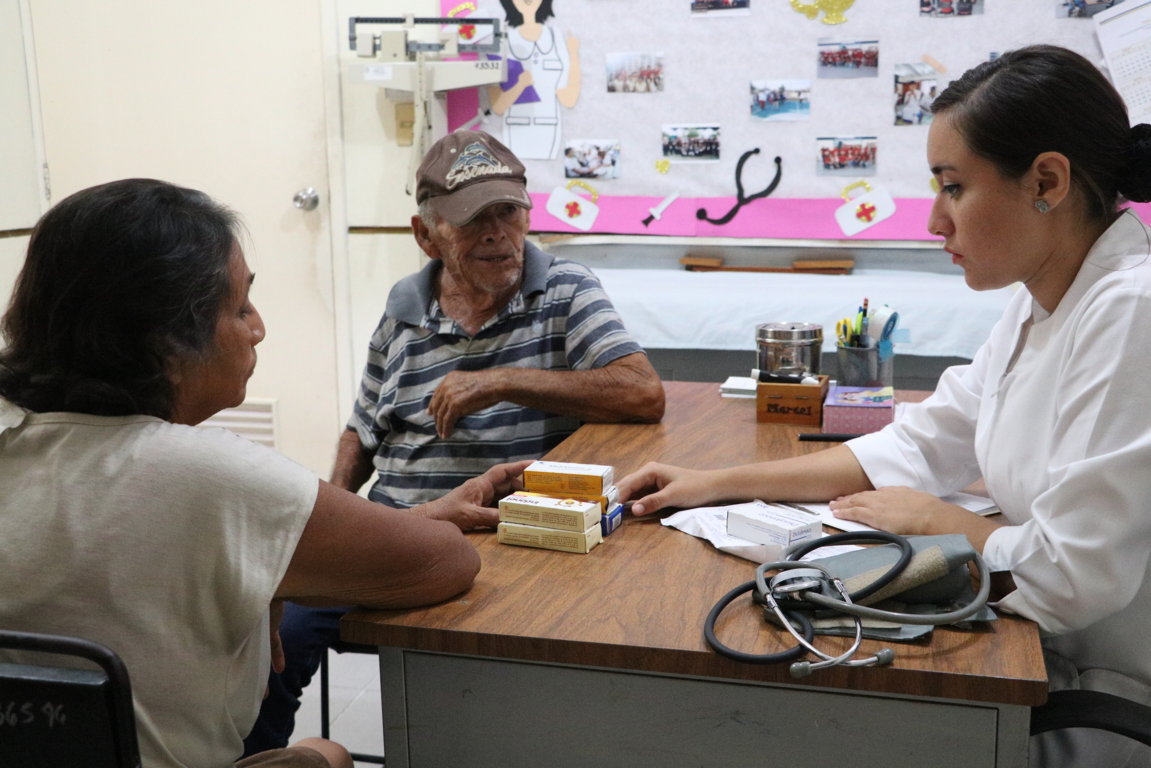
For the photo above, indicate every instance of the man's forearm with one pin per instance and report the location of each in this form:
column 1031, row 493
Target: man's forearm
column 353, row 464
column 628, row 389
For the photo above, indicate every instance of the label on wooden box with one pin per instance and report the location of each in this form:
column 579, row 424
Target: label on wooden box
column 790, row 403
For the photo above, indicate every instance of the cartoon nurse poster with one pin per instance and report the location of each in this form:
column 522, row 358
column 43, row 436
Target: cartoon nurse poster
column 543, row 76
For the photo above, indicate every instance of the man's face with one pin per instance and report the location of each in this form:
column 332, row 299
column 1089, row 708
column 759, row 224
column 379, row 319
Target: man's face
column 484, row 256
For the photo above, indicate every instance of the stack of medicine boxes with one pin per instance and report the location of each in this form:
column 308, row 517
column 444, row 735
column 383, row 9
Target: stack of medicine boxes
column 569, row 507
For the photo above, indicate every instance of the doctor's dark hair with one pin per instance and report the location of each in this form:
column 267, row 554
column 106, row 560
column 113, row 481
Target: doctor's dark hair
column 120, row 281
column 1044, row 98
column 516, row 19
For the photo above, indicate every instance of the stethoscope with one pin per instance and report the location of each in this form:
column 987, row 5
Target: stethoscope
column 798, row 589
column 741, row 199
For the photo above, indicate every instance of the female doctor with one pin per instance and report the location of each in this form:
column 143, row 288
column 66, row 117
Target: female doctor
column 1033, row 153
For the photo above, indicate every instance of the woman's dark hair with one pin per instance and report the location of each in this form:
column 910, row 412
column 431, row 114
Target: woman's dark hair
column 516, row 19
column 1043, row 98
column 120, row 280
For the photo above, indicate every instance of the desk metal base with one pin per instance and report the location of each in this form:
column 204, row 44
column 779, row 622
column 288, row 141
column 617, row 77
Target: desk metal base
column 441, row 710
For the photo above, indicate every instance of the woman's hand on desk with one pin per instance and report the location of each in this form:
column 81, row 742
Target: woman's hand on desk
column 901, row 510
column 672, row 486
column 472, row 505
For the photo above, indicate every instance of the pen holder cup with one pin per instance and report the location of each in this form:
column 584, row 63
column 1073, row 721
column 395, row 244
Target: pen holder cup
column 865, row 367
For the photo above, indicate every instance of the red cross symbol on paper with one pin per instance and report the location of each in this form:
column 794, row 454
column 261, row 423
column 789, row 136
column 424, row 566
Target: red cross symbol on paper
column 572, row 209
column 865, row 212
column 467, row 31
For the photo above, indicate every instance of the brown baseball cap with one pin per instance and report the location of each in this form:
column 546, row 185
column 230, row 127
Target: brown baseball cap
column 465, row 172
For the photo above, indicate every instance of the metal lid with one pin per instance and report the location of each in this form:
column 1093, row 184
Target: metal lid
column 788, row 332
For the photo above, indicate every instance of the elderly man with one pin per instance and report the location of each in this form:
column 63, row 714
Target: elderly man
column 495, row 351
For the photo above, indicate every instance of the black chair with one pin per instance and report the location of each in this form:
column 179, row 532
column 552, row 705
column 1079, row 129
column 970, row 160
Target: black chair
column 1093, row 709
column 56, row 716
column 325, row 707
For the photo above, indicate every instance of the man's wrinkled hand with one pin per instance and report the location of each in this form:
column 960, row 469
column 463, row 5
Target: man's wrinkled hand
column 461, row 393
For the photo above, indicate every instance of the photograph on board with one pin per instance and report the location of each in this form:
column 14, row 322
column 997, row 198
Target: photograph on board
column 846, row 155
column 916, row 86
column 950, row 8
column 591, row 159
column 1083, row 9
column 634, row 72
column 697, row 142
column 846, row 59
column 780, row 99
column 720, row 7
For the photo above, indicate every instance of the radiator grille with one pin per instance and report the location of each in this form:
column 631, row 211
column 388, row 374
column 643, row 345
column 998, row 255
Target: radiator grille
column 254, row 419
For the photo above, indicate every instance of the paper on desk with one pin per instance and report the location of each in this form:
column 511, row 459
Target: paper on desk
column 738, row 386
column 978, row 504
column 710, row 523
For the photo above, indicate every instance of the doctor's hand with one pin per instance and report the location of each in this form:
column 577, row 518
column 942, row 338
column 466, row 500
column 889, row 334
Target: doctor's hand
column 656, row 486
column 905, row 511
column 461, row 393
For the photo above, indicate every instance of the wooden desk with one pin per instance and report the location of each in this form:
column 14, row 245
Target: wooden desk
column 556, row 659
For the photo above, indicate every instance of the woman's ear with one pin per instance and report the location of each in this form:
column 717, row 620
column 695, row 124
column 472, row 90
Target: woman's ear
column 1049, row 178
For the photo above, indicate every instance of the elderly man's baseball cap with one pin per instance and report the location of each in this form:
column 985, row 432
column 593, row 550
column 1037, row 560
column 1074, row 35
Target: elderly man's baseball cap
column 465, row 172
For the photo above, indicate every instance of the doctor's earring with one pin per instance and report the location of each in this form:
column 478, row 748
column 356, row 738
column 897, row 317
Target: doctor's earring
column 1042, row 206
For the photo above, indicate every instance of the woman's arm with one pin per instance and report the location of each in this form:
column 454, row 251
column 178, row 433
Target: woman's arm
column 815, row 477
column 354, row 551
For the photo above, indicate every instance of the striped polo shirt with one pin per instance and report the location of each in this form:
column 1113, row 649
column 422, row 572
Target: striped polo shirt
column 561, row 320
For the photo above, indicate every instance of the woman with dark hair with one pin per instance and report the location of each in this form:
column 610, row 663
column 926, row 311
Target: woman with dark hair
column 130, row 323
column 1033, row 154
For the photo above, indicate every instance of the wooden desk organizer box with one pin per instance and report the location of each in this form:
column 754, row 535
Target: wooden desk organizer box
column 800, row 404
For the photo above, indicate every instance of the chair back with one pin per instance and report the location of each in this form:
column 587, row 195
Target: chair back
column 53, row 716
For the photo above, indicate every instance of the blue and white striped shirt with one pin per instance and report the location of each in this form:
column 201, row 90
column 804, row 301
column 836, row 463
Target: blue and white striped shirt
column 560, row 320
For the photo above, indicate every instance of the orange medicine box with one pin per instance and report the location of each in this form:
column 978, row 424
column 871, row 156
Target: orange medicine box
column 791, row 403
column 560, row 477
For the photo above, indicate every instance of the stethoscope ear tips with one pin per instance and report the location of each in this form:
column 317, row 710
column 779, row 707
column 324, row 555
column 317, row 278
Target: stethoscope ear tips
column 884, row 657
column 801, row 669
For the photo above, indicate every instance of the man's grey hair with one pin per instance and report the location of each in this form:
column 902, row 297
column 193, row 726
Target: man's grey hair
column 428, row 217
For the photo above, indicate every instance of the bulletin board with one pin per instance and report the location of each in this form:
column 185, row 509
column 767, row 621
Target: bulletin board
column 711, row 65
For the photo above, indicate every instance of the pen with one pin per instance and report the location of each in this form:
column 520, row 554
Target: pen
column 768, row 377
column 799, row 507
column 825, row 437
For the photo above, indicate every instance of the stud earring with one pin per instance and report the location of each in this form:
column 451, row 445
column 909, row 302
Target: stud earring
column 1042, row 206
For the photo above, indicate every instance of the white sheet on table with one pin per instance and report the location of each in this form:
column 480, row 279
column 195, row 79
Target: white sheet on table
column 677, row 309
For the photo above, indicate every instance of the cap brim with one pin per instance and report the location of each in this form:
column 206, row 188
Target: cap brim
column 463, row 205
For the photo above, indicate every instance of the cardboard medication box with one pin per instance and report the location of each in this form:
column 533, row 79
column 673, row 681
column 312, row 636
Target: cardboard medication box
column 768, row 524
column 607, row 500
column 612, row 520
column 800, row 404
column 546, row 512
column 520, row 535
column 565, row 478
column 858, row 410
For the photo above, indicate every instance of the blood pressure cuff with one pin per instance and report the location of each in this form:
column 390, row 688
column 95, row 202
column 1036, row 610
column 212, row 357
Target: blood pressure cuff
column 936, row 580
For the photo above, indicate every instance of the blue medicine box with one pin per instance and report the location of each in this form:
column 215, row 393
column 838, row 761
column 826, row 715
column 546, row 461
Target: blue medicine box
column 611, row 520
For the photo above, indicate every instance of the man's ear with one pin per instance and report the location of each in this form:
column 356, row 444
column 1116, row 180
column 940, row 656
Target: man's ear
column 1050, row 177
column 424, row 238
